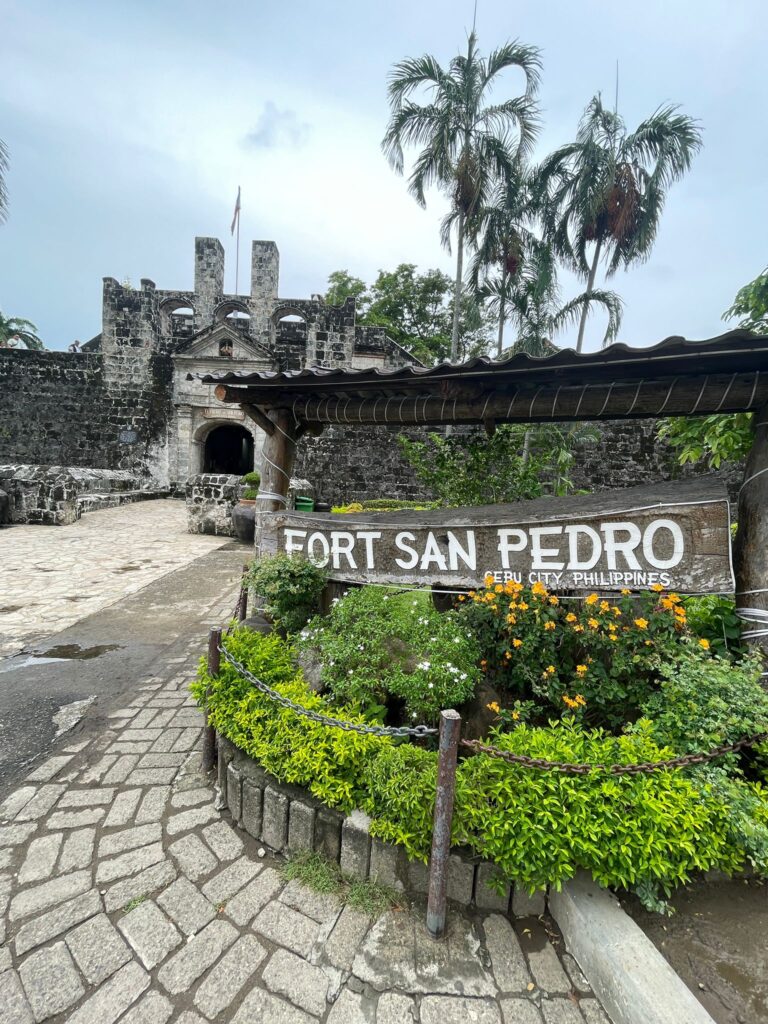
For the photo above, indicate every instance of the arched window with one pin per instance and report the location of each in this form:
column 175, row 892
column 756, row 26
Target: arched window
column 228, row 449
column 176, row 319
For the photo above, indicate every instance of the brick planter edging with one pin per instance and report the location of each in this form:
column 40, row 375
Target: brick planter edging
column 287, row 819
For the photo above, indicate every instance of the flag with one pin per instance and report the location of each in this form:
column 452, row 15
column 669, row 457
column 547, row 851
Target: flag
column 236, row 215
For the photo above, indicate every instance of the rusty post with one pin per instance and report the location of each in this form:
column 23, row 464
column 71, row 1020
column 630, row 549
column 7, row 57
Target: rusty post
column 450, row 728
column 209, row 733
column 242, row 604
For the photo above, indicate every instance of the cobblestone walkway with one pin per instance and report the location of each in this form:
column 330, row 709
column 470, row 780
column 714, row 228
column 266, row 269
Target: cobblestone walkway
column 127, row 896
column 53, row 576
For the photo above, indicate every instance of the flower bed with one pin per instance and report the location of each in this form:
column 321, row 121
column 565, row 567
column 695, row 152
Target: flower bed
column 595, row 682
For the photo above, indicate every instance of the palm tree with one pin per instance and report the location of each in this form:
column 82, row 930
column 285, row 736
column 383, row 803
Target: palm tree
column 505, row 240
column 607, row 189
column 3, row 189
column 468, row 143
column 15, row 329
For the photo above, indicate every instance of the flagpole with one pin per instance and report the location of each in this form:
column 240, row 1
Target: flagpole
column 237, row 251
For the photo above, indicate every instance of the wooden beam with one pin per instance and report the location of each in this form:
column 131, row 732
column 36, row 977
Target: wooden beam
column 278, row 455
column 751, row 548
column 259, row 418
column 227, row 394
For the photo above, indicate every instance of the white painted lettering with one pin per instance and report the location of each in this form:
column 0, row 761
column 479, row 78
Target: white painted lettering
column 342, row 544
column 510, row 540
column 538, row 553
column 678, row 543
column 468, row 555
column 432, row 553
column 368, row 537
column 400, row 543
column 593, row 537
column 623, row 547
column 294, row 540
column 322, row 540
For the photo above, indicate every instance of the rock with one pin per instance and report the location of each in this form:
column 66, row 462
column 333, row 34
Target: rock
column 5, row 508
column 476, row 718
column 311, row 665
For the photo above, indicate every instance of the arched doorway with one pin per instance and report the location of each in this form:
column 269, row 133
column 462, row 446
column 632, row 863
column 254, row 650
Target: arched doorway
column 228, row 449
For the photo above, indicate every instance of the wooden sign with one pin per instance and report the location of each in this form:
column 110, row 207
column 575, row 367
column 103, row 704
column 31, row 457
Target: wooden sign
column 673, row 534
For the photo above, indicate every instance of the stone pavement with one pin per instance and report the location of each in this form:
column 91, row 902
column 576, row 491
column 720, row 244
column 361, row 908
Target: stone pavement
column 50, row 577
column 126, row 896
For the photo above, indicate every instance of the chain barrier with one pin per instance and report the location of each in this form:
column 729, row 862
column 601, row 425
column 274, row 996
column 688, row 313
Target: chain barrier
column 685, row 761
column 315, row 716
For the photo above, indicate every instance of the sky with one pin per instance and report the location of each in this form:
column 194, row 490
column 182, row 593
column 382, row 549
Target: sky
column 131, row 124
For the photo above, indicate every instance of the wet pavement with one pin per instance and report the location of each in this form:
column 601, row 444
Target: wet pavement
column 717, row 941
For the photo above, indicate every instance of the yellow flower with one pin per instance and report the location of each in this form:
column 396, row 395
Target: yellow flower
column 488, row 579
column 626, row 592
column 498, row 588
column 616, row 611
column 674, row 598
column 473, row 593
column 549, row 626
column 592, row 599
column 612, row 636
column 511, row 619
column 641, row 623
column 515, row 716
column 581, row 669
column 554, row 600
column 493, row 706
column 604, row 606
column 578, row 629
column 523, row 606
column 579, row 699
column 570, row 617
column 517, row 642
column 657, row 587
column 462, row 598
column 567, row 701
column 679, row 611
column 704, row 643
column 483, row 663
column 539, row 589
column 648, row 643
column 593, row 623
column 550, row 670
column 507, row 655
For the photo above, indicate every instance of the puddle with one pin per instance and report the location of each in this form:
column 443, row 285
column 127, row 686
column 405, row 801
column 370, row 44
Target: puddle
column 68, row 652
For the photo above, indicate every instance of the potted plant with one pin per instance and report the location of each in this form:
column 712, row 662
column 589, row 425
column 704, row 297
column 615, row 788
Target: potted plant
column 244, row 513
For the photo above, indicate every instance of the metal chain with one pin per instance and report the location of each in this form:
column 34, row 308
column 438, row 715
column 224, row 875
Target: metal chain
column 613, row 769
column 315, row 716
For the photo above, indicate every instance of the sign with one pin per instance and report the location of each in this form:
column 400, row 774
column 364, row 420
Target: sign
column 676, row 535
column 223, row 414
column 128, row 436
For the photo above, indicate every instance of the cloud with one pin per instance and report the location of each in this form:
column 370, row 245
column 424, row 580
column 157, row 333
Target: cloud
column 277, row 128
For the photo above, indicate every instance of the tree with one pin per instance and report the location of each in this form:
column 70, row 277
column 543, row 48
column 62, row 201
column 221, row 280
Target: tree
column 15, row 330
column 725, row 437
column 3, row 188
column 607, row 189
column 468, row 143
column 342, row 286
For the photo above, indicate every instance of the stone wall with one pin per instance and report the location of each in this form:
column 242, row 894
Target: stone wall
column 361, row 463
column 210, row 500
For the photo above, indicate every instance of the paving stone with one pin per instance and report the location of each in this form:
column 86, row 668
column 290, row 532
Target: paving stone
column 561, row 1011
column 129, row 863
column 153, row 805
column 151, row 776
column 136, row 747
column 186, row 820
column 243, row 907
column 520, row 1011
column 346, row 938
column 123, row 808
column 393, row 1008
column 12, row 804
column 77, row 851
column 186, row 966
column 87, row 797
column 304, row 985
column 40, row 859
column 232, row 973
column 547, row 970
column 150, row 933
column 97, row 948
column 223, row 840
column 143, row 884
column 95, row 771
column 458, row 1010
column 122, row 768
column 75, row 819
column 5, row 959
column 129, row 839
column 593, row 1012
column 186, row 906
column 144, row 717
column 353, row 1008
column 14, row 835
column 193, row 857
column 166, row 740
column 259, row 1005
column 114, row 997
column 190, row 1017
column 161, row 760
column 230, row 880
column 287, row 927
column 41, row 897
column 46, row 771
column 41, row 803
column 575, row 973
column 188, row 739
column 7, row 857
column 486, row 897
column 508, row 962
column 317, row 905
column 154, row 1008
column 142, row 734
column 191, row 798
column 526, row 905
column 49, row 926
column 51, row 981
column 14, row 1008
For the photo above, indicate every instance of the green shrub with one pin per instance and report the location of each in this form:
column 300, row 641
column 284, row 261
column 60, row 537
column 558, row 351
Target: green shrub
column 253, row 479
column 400, row 785
column 378, row 647
column 291, row 587
column 714, row 617
column 250, row 493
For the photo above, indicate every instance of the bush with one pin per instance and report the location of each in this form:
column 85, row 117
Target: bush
column 714, row 618
column 291, row 587
column 253, row 479
column 377, row 647
column 250, row 493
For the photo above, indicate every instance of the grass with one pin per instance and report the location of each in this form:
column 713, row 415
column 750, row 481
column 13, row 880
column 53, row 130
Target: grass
column 325, row 876
column 132, row 904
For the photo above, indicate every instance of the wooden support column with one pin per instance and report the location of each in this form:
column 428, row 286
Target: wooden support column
column 278, row 455
column 751, row 548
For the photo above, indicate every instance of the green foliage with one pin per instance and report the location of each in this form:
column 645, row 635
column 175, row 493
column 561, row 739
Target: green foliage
column 250, row 493
column 342, row 286
column 717, row 438
column 379, row 505
column 291, row 587
column 253, row 479
column 541, row 827
column 751, row 304
column 15, row 330
column 377, row 647
column 714, row 618
column 325, row 876
column 371, row 898
column 400, row 784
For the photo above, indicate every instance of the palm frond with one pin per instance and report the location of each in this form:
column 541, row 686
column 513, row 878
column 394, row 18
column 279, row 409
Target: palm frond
column 4, row 164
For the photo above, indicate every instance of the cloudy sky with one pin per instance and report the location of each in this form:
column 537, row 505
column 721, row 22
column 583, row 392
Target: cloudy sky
column 131, row 125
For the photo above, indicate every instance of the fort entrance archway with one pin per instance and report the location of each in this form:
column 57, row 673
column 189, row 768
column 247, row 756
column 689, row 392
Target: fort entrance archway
column 228, row 449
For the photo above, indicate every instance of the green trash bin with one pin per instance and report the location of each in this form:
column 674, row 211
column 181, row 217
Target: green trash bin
column 305, row 504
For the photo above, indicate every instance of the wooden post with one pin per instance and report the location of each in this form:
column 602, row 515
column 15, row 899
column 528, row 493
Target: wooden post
column 209, row 733
column 450, row 728
column 751, row 548
column 278, row 455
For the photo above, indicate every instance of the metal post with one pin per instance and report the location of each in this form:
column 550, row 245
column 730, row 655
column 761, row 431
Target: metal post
column 209, row 733
column 450, row 728
column 242, row 603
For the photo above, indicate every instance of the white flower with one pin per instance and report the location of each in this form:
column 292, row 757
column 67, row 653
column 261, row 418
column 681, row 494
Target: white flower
column 413, row 715
column 431, row 686
column 457, row 640
column 463, row 675
column 350, row 672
